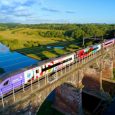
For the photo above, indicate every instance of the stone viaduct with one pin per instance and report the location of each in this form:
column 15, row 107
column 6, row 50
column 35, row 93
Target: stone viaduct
column 86, row 75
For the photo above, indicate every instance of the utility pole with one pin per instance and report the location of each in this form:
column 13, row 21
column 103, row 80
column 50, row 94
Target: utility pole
column 101, row 69
column 83, row 43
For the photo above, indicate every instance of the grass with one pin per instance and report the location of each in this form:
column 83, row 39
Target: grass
column 27, row 34
column 46, row 109
column 28, row 42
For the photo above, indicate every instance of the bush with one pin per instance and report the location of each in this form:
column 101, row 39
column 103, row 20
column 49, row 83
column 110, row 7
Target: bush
column 51, row 34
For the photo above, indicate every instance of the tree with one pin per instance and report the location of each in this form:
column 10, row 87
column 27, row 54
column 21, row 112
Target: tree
column 78, row 33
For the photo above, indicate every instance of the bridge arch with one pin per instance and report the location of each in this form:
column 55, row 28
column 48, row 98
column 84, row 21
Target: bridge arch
column 67, row 94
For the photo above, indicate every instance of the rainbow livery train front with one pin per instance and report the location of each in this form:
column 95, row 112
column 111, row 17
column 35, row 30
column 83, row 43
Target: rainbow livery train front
column 46, row 67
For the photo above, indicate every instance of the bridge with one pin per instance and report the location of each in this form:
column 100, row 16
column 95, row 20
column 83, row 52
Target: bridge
column 75, row 74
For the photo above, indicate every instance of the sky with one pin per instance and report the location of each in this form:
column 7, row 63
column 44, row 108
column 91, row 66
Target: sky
column 57, row 11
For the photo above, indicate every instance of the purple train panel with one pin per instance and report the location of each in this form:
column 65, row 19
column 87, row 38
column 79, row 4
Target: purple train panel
column 10, row 83
column 17, row 80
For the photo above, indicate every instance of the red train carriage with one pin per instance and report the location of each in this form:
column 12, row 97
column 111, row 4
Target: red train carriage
column 88, row 51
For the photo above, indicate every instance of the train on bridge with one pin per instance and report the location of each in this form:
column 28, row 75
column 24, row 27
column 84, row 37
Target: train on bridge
column 26, row 76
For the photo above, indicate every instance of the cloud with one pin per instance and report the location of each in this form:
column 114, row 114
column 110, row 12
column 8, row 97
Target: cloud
column 15, row 10
column 70, row 12
column 16, row 2
column 50, row 10
column 7, row 18
column 22, row 11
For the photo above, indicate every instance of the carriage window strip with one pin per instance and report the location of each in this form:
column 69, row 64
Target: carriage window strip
column 108, row 43
column 44, row 69
column 95, row 48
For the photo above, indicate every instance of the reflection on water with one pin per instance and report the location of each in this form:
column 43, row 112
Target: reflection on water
column 3, row 49
column 11, row 61
column 58, row 47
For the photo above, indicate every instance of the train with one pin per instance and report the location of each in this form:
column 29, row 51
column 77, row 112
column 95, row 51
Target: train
column 46, row 67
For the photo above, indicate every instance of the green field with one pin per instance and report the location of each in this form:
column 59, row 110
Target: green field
column 32, row 40
column 28, row 42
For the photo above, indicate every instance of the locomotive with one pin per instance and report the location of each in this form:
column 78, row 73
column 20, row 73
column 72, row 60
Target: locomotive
column 46, row 67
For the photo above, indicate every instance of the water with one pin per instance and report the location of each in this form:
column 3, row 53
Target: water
column 58, row 47
column 11, row 61
column 51, row 96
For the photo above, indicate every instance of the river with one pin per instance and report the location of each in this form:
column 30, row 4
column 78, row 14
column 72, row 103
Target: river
column 12, row 60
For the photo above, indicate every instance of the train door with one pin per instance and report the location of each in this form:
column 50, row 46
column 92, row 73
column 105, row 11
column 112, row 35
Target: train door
column 37, row 72
column 43, row 70
column 80, row 54
column 60, row 63
column 28, row 75
column 56, row 63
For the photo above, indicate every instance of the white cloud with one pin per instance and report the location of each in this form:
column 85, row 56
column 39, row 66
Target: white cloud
column 16, row 10
column 22, row 11
column 13, row 2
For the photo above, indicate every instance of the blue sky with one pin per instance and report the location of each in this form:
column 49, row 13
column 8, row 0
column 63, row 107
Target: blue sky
column 57, row 11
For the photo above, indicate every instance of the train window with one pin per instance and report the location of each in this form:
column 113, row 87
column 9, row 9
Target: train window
column 37, row 71
column 95, row 48
column 46, row 68
column 67, row 60
column 6, row 83
column 43, row 68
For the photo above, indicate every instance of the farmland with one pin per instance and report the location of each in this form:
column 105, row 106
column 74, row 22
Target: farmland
column 29, row 42
column 33, row 40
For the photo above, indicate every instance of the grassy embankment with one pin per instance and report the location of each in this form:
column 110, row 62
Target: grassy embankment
column 29, row 42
